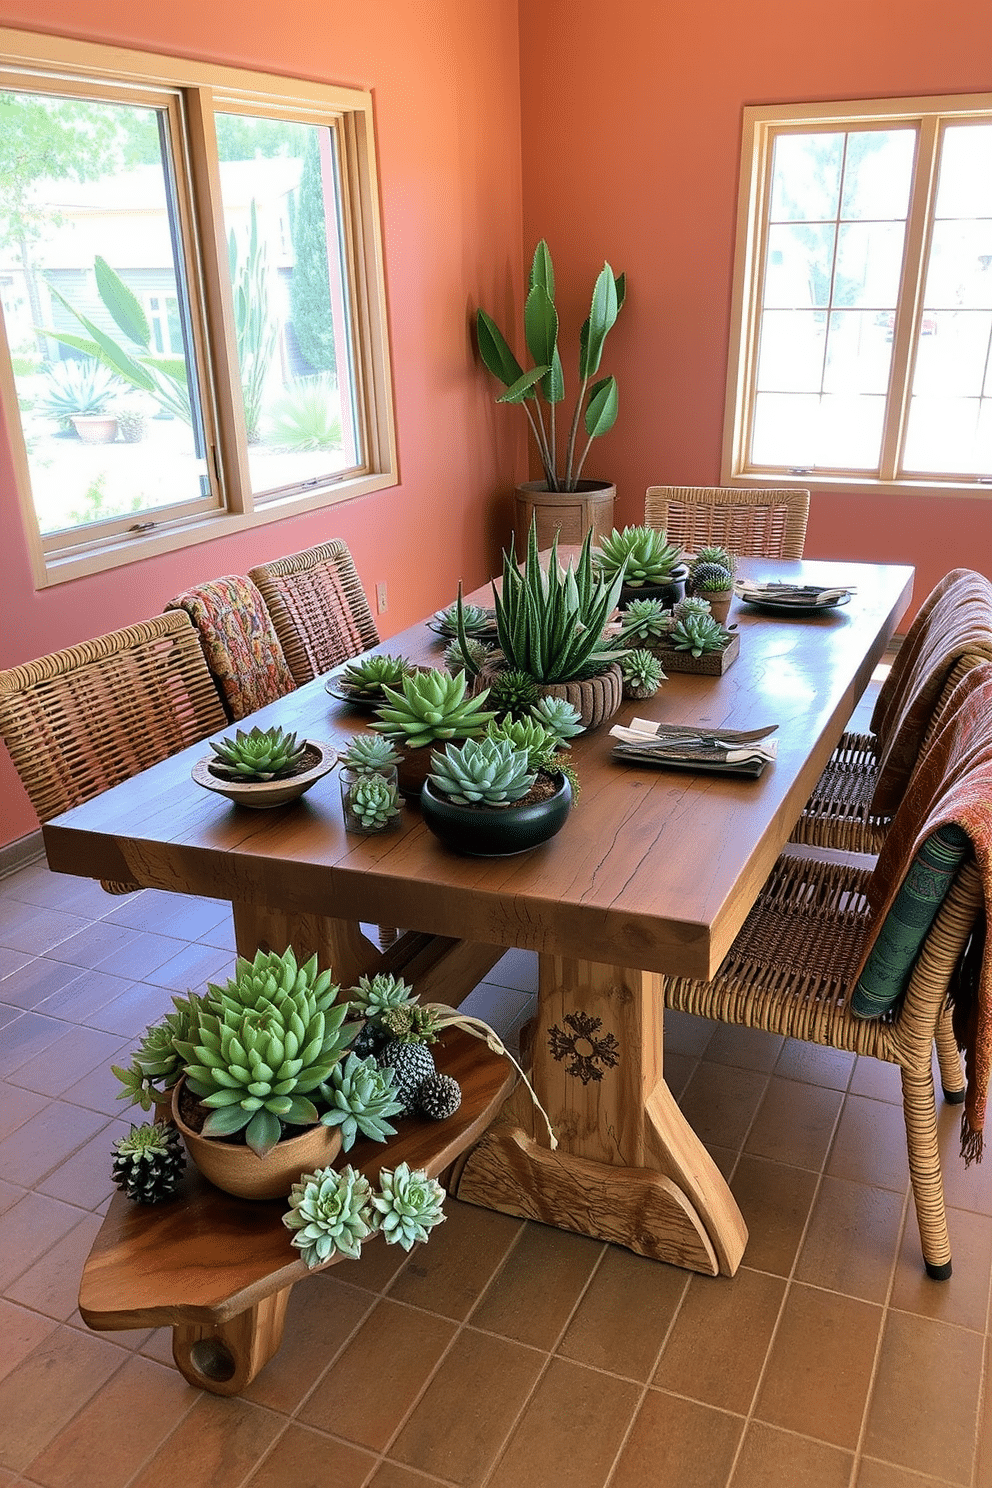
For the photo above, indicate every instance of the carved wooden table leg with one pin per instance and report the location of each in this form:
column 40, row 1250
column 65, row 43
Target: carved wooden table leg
column 338, row 944
column 628, row 1167
column 225, row 1357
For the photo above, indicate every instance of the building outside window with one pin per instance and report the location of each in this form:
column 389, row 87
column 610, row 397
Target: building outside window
column 192, row 299
column 862, row 327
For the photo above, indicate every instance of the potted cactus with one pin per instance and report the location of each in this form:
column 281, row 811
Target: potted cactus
column 711, row 577
column 431, row 707
column 650, row 564
column 494, row 796
column 262, row 768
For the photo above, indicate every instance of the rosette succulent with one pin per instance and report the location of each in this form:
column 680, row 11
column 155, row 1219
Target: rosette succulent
column 711, row 571
column 513, row 691
column 361, row 1096
column 694, row 604
column 560, row 717
column 156, row 1064
column 475, row 619
column 369, row 754
column 432, row 706
column 330, row 1214
column 698, row 634
column 469, row 655
column 264, row 1044
column 372, row 802
column 258, row 754
column 370, row 674
column 642, row 673
column 645, row 621
column 484, row 772
column 407, row 1207
column 526, row 733
column 642, row 555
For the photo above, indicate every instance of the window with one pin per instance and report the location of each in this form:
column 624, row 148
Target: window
column 194, row 325
column 861, row 347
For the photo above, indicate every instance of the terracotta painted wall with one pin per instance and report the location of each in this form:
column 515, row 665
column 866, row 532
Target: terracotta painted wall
column 445, row 76
column 631, row 128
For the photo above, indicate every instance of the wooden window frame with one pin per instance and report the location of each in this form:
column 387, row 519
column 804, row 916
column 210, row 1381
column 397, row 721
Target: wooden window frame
column 199, row 90
column 761, row 124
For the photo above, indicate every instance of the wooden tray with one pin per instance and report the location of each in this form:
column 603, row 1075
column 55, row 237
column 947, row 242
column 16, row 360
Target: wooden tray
column 711, row 664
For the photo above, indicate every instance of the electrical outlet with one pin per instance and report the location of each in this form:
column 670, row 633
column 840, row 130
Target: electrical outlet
column 381, row 598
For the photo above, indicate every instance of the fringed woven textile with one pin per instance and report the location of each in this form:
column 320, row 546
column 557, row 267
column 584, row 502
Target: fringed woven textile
column 241, row 647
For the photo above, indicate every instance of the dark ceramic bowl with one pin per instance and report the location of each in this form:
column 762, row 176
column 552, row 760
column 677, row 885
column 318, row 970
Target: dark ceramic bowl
column 494, row 831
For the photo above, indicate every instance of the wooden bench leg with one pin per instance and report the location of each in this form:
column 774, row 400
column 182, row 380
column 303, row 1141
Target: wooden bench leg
column 225, row 1357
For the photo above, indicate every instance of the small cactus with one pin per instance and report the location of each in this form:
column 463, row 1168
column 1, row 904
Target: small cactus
column 709, row 578
column 456, row 659
column 259, row 754
column 513, row 691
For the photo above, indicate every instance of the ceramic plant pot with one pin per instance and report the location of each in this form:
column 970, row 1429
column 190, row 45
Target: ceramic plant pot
column 567, row 515
column 596, row 698
column 95, row 428
column 260, row 795
column 495, row 831
column 234, row 1168
column 668, row 593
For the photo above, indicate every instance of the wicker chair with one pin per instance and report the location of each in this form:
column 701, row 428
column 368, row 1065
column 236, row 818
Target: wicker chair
column 750, row 524
column 853, row 802
column 318, row 608
column 84, row 719
column 239, row 642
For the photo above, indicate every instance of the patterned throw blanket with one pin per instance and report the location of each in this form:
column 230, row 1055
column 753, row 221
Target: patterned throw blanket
column 953, row 783
column 955, row 620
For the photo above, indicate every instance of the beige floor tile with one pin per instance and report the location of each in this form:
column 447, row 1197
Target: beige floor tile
column 308, row 1459
column 468, row 1411
column 779, row 1459
column 576, row 1416
column 820, row 1366
column 964, row 1297
column 369, row 1389
column 449, row 1275
column 815, row 1065
column 534, row 1293
column 870, row 1145
column 775, row 1201
column 22, row 1331
column 964, row 1187
column 625, row 1314
column 852, row 1239
column 795, row 1124
column 117, row 1431
column 924, row 1407
column 718, row 1343
column 677, row 1443
column 877, row 1079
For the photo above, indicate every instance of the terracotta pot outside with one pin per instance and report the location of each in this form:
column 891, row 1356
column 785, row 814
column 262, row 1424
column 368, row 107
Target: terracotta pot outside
column 235, row 1169
column 95, row 428
column 565, row 514
column 596, row 698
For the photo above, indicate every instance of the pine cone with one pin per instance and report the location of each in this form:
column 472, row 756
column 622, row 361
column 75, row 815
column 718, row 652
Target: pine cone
column 438, row 1097
column 411, row 1064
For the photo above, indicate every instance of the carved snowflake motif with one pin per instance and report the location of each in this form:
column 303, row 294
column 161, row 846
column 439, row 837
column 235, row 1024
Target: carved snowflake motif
column 585, row 1051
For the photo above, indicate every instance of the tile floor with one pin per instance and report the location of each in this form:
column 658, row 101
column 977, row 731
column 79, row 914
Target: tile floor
column 503, row 1354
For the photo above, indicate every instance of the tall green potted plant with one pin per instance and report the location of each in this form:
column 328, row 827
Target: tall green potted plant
column 565, row 504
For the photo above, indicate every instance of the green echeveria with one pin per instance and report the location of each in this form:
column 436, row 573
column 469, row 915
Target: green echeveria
column 698, row 634
column 330, row 1214
column 408, row 1206
column 259, row 754
column 559, row 716
column 361, row 1096
column 475, row 619
column 368, row 754
column 642, row 554
column 694, row 604
column 486, row 772
column 156, row 1063
column 368, row 676
column 644, row 620
column 642, row 669
column 373, row 800
column 526, row 733
column 432, row 706
column 373, row 995
column 264, row 1044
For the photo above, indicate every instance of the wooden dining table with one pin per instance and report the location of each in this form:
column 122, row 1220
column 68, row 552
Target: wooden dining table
column 652, row 874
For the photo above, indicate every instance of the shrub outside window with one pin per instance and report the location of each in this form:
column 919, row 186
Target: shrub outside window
column 861, row 345
column 193, row 301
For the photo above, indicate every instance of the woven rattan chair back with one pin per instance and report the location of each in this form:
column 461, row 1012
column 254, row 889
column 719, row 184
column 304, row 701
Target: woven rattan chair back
column 82, row 720
column 318, row 608
column 749, row 524
column 239, row 643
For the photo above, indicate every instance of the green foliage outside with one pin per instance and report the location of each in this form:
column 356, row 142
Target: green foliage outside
column 310, row 291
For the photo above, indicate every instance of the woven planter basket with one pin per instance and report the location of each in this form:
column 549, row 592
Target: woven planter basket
column 596, row 698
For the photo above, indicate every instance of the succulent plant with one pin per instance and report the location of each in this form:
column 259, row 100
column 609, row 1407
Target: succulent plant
column 526, row 733
column 372, row 996
column 148, row 1163
column 468, row 656
column 475, row 619
column 370, row 674
column 642, row 673
column 709, row 578
column 714, row 553
column 258, row 754
column 560, row 716
column 77, row 385
column 551, row 624
column 156, row 1063
column 431, row 707
column 361, row 1096
column 369, row 754
column 411, row 1064
column 407, row 1206
column 372, row 802
column 642, row 555
column 694, row 604
column 410, row 1023
column 644, row 620
column 438, row 1097
column 698, row 634
column 330, row 1214
column 513, row 691
column 265, row 1043
column 483, row 772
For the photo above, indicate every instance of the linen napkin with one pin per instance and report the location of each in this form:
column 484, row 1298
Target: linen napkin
column 681, row 747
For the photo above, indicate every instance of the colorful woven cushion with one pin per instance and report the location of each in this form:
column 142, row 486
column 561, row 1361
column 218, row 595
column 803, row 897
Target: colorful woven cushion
column 239, row 642
column 888, row 969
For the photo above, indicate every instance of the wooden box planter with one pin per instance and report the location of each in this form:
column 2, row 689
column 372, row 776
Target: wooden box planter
column 710, row 664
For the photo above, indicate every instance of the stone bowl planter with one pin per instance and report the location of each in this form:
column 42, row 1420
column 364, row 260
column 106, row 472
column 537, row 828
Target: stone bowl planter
column 260, row 795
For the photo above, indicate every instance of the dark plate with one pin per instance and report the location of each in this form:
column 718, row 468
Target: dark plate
column 367, row 705
column 789, row 607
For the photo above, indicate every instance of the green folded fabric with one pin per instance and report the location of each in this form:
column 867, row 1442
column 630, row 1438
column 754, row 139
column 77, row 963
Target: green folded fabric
column 890, row 963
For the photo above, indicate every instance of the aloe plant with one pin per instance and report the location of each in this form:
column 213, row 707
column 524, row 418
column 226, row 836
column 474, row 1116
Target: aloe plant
column 596, row 404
